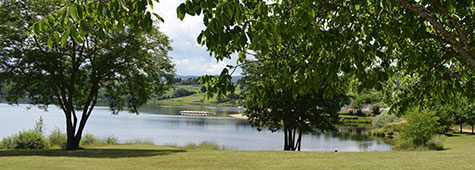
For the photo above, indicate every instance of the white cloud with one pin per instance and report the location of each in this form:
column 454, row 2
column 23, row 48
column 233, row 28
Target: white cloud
column 190, row 57
column 181, row 62
column 215, row 67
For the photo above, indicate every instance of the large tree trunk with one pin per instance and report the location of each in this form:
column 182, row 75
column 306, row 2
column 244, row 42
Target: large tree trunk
column 290, row 144
column 461, row 127
column 472, row 128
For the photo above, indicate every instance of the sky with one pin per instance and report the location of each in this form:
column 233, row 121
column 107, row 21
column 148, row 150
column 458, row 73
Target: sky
column 189, row 57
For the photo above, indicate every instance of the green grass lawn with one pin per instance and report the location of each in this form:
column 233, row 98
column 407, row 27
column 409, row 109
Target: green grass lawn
column 460, row 154
column 195, row 99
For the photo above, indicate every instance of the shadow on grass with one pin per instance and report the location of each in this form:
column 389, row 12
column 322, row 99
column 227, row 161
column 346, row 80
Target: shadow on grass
column 91, row 153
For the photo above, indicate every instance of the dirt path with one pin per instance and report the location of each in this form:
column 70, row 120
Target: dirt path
column 466, row 130
column 238, row 116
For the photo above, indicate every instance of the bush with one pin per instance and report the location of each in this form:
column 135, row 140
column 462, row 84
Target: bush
column 111, row 140
column 419, row 132
column 8, row 142
column 205, row 145
column 89, row 139
column 57, row 138
column 376, row 109
column 182, row 92
column 140, row 141
column 380, row 120
column 29, row 140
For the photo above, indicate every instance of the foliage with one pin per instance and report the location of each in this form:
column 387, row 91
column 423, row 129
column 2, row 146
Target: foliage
column 231, row 97
column 111, row 140
column 39, row 126
column 380, row 120
column 8, row 142
column 140, row 141
column 271, row 101
column 415, row 50
column 376, row 109
column 66, row 56
column 29, row 140
column 182, row 92
column 89, row 139
column 58, row 138
column 189, row 81
column 419, row 130
column 205, row 145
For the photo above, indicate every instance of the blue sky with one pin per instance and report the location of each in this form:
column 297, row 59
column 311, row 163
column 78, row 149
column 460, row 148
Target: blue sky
column 189, row 57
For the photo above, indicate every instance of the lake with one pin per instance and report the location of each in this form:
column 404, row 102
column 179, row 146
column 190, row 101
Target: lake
column 164, row 125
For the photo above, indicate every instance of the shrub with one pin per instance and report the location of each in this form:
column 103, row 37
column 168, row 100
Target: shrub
column 58, row 138
column 205, row 145
column 181, row 92
column 8, row 142
column 376, row 109
column 89, row 139
column 111, row 140
column 140, row 141
column 30, row 140
column 419, row 131
column 380, row 120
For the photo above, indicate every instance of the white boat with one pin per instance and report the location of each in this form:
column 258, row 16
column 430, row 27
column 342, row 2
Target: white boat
column 196, row 113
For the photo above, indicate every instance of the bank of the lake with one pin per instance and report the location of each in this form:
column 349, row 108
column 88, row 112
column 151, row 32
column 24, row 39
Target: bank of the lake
column 458, row 155
column 164, row 125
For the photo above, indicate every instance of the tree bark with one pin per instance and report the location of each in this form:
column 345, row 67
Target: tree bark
column 286, row 143
column 291, row 143
column 472, row 128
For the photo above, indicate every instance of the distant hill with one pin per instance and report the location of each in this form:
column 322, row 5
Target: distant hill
column 234, row 79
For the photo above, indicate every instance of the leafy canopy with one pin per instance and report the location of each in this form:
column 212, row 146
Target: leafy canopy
column 422, row 41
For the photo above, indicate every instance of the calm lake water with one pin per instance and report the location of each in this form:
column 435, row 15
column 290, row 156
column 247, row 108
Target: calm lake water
column 164, row 125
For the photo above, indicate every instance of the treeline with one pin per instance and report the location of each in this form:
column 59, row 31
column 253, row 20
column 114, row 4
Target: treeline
column 189, row 81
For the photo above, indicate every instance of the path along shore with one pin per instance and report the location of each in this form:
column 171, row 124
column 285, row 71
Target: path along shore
column 239, row 116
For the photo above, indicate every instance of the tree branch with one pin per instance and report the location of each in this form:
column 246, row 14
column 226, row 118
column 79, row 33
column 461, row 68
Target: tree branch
column 465, row 52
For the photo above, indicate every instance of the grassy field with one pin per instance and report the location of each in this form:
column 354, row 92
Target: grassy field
column 460, row 154
column 195, row 99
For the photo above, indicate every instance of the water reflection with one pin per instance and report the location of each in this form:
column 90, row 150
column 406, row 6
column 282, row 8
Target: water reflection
column 163, row 125
column 175, row 110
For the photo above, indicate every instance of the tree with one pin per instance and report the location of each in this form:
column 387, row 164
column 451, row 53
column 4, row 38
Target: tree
column 427, row 41
column 74, row 51
column 275, row 107
column 181, row 92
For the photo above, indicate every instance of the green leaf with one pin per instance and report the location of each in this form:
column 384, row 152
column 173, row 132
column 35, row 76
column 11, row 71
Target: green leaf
column 50, row 43
column 242, row 58
column 148, row 21
column 65, row 16
column 74, row 13
column 64, row 38
column 200, row 38
column 104, row 10
column 36, row 29
column 180, row 11
column 159, row 17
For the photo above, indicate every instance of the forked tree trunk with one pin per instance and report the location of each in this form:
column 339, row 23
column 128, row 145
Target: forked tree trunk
column 291, row 143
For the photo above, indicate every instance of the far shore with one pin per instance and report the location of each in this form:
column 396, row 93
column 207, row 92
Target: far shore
column 239, row 116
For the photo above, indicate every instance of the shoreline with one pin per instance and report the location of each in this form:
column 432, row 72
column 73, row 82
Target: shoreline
column 239, row 116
